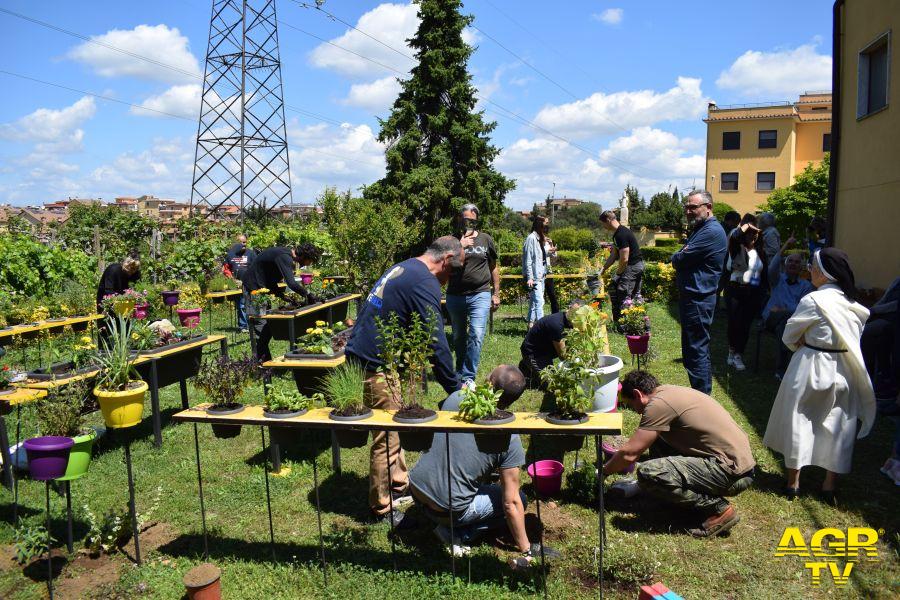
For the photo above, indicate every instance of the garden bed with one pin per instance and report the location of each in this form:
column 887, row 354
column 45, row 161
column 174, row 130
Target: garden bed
column 302, row 356
column 173, row 345
column 60, row 370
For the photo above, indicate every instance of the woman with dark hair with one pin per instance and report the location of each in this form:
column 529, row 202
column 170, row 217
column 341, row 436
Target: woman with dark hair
column 534, row 267
column 826, row 388
column 744, row 291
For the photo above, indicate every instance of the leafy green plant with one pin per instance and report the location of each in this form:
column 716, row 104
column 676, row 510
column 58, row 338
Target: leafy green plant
column 279, row 398
column 564, row 381
column 221, row 283
column 31, row 542
column 343, row 388
column 224, row 379
column 586, row 341
column 479, row 402
column 60, row 413
column 317, row 340
column 116, row 361
column 191, row 296
column 107, row 533
column 405, row 353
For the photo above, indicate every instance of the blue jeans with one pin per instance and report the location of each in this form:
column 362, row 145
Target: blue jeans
column 696, row 316
column 483, row 514
column 241, row 312
column 469, row 317
column 536, row 301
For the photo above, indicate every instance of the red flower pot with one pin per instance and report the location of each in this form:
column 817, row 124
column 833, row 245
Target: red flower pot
column 141, row 310
column 637, row 344
column 189, row 317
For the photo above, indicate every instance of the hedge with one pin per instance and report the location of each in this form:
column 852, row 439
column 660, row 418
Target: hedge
column 651, row 254
column 566, row 261
column 668, row 243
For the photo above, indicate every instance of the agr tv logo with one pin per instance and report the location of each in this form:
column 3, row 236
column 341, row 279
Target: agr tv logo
column 830, row 544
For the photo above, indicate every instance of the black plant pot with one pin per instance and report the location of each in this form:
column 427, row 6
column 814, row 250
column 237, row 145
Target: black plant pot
column 416, row 441
column 225, row 431
column 351, row 438
column 283, row 436
column 568, row 443
column 494, row 443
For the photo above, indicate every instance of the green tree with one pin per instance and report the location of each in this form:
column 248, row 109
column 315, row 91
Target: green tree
column 794, row 206
column 636, row 204
column 120, row 231
column 439, row 154
column 582, row 216
column 366, row 235
column 664, row 212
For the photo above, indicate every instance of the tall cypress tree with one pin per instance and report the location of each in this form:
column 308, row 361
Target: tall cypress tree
column 439, row 154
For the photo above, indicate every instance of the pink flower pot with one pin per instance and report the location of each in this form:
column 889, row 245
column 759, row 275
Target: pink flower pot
column 141, row 310
column 547, row 476
column 189, row 317
column 637, row 344
column 306, row 278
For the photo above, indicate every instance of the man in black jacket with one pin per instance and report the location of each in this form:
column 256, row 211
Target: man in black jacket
column 239, row 258
column 268, row 269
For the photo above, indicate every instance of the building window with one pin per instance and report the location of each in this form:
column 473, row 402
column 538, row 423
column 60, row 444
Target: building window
column 729, row 182
column 768, row 138
column 826, row 142
column 873, row 77
column 731, row 140
column 765, row 182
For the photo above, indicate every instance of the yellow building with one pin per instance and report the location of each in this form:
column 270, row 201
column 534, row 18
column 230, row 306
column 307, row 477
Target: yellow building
column 751, row 149
column 864, row 188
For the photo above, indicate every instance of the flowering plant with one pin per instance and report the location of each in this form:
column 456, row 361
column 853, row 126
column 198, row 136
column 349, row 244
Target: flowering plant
column 587, row 340
column 318, row 339
column 5, row 377
column 84, row 351
column 634, row 319
column 325, row 288
column 260, row 298
column 191, row 296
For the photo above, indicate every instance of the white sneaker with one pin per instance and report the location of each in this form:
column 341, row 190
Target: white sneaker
column 629, row 488
column 459, row 550
column 730, row 361
column 738, row 363
column 888, row 466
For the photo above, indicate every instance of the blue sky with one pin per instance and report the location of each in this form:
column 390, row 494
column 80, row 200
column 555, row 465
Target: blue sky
column 616, row 90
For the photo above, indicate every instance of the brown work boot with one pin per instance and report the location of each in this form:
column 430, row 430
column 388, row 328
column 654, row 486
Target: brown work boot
column 717, row 524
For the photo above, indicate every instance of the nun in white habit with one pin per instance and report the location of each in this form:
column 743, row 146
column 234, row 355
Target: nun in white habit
column 826, row 388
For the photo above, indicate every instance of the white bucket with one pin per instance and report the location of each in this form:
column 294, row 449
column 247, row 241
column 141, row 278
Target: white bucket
column 605, row 383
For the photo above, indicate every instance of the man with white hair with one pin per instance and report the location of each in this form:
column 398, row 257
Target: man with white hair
column 770, row 236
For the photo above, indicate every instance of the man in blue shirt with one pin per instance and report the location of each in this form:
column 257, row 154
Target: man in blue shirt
column 412, row 286
column 698, row 267
column 786, row 291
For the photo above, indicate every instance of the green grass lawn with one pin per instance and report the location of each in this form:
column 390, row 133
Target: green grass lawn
column 640, row 547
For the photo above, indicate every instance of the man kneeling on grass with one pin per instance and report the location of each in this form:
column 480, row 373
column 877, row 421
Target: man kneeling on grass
column 477, row 507
column 698, row 453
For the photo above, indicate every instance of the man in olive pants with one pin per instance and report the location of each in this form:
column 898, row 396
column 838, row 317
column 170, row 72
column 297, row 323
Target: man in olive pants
column 707, row 458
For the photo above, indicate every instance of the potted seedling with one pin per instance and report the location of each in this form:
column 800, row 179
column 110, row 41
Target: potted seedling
column 60, row 414
column 343, row 388
column 119, row 390
column 635, row 324
column 479, row 406
column 224, row 380
column 573, row 400
column 405, row 354
column 282, row 403
column 6, row 381
column 190, row 306
column 585, row 345
column 84, row 359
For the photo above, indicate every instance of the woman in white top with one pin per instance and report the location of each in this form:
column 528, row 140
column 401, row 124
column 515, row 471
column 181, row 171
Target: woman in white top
column 534, row 268
column 826, row 388
column 744, row 291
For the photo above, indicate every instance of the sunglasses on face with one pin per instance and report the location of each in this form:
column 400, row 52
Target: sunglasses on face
column 695, row 206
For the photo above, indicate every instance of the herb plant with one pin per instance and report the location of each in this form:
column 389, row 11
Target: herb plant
column 31, row 542
column 290, row 400
column 564, row 381
column 479, row 403
column 60, row 413
column 224, row 379
column 405, row 353
column 343, row 387
column 116, row 360
column 586, row 341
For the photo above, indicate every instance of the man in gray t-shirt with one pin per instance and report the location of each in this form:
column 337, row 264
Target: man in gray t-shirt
column 477, row 506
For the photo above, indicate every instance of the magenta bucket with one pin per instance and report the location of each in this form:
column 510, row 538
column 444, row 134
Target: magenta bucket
column 306, row 278
column 48, row 456
column 141, row 310
column 637, row 344
column 189, row 317
column 170, row 298
column 547, row 476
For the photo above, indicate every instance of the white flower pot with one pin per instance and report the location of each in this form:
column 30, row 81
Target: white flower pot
column 605, row 383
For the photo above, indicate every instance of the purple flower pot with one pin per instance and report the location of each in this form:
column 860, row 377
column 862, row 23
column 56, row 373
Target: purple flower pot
column 306, row 278
column 170, row 298
column 637, row 344
column 141, row 310
column 48, row 456
column 189, row 317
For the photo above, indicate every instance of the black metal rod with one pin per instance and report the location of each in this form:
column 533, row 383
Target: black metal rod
column 450, row 506
column 319, row 519
column 601, row 532
column 12, row 470
column 154, row 404
column 335, row 453
column 69, row 544
column 49, row 540
column 390, row 487
column 200, row 485
column 7, row 458
column 131, row 509
column 262, row 433
column 182, row 385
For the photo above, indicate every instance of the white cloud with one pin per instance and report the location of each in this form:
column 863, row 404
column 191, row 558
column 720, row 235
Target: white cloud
column 164, row 170
column 376, row 96
column 602, row 114
column 648, row 158
column 610, row 16
column 159, row 42
column 182, row 100
column 49, row 125
column 392, row 24
column 781, row 74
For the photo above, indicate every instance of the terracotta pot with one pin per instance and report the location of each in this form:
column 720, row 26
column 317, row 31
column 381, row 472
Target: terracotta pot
column 204, row 582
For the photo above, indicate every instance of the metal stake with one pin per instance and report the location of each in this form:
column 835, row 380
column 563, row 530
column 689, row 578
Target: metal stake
column 601, row 521
column 49, row 540
column 319, row 518
column 69, row 545
column 200, row 485
column 134, row 524
column 262, row 433
column 387, row 454
column 450, row 505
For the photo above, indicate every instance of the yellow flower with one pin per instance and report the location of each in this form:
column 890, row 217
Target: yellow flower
column 320, row 323
column 317, row 330
column 135, row 336
column 86, row 339
column 309, row 330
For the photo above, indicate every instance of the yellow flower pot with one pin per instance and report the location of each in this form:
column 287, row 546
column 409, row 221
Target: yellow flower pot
column 123, row 308
column 122, row 409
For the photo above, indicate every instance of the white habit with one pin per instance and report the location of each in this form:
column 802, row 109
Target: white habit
column 822, row 394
